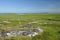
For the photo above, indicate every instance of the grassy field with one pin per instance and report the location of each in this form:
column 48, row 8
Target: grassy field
column 50, row 23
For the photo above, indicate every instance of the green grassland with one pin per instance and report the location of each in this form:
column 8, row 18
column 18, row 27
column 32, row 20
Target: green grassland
column 50, row 23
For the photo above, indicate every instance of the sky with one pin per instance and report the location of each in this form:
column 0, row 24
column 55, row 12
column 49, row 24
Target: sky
column 29, row 6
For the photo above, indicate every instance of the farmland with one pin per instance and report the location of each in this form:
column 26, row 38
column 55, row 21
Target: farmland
column 50, row 23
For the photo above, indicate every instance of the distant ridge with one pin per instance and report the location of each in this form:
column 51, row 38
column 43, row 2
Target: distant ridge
column 27, row 13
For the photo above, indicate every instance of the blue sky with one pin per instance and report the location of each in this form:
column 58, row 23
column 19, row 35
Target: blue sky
column 29, row 6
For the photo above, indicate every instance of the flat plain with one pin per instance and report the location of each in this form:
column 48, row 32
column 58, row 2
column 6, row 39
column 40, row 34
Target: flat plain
column 50, row 23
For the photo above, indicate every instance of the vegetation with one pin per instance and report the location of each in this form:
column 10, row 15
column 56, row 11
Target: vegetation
column 50, row 23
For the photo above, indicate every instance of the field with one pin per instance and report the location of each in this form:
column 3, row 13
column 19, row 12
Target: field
column 50, row 23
